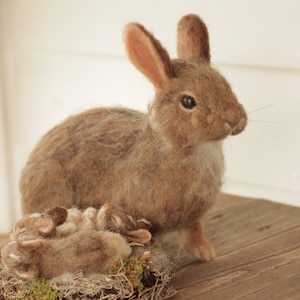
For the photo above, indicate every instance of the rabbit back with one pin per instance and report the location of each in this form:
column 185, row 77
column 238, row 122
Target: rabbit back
column 75, row 160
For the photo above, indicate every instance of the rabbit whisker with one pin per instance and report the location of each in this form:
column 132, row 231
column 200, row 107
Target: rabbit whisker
column 261, row 108
column 271, row 122
column 263, row 121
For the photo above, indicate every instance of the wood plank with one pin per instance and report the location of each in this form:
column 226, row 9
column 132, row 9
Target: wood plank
column 252, row 222
column 258, row 245
column 246, row 270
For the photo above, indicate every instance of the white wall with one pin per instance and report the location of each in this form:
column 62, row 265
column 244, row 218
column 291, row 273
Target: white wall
column 5, row 199
column 61, row 56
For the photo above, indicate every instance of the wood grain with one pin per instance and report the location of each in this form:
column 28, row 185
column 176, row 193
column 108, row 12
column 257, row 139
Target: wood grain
column 258, row 247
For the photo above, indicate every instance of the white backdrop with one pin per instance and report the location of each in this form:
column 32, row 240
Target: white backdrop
column 59, row 57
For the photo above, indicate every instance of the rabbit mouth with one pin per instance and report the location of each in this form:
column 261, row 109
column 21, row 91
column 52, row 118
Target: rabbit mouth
column 231, row 129
column 236, row 129
column 239, row 127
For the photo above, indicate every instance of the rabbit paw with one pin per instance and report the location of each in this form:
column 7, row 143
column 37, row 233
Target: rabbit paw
column 202, row 249
column 198, row 245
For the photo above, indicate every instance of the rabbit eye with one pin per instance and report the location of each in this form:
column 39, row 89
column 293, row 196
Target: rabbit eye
column 188, row 102
column 22, row 231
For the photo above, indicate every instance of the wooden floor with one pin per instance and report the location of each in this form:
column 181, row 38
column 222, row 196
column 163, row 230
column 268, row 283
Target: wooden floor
column 258, row 254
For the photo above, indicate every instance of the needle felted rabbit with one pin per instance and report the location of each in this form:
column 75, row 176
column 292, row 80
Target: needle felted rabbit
column 88, row 251
column 59, row 222
column 166, row 165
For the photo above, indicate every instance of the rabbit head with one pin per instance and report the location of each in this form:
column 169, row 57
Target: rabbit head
column 38, row 224
column 189, row 92
column 115, row 219
column 22, row 258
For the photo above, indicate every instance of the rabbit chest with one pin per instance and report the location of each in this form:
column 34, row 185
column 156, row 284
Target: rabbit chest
column 172, row 192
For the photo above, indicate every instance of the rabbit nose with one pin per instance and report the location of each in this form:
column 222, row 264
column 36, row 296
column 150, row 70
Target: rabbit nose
column 239, row 127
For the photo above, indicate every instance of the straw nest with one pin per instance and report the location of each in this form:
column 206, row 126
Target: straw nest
column 145, row 275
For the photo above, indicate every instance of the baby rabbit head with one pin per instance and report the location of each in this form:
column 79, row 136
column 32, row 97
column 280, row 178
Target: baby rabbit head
column 115, row 219
column 39, row 224
column 194, row 103
column 22, row 258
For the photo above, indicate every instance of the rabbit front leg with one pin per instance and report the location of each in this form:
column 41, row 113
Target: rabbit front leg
column 197, row 244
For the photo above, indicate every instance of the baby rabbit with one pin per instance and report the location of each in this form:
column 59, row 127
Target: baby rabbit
column 166, row 165
column 60, row 222
column 39, row 225
column 88, row 251
column 113, row 218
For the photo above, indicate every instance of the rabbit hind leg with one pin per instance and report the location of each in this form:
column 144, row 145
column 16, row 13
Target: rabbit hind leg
column 197, row 244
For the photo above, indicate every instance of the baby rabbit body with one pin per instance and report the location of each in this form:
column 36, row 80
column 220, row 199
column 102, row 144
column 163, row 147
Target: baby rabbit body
column 89, row 251
column 165, row 166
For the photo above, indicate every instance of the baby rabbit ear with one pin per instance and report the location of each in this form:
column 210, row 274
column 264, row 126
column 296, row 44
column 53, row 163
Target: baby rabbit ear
column 27, row 271
column 140, row 236
column 58, row 215
column 46, row 226
column 53, row 217
column 143, row 224
column 147, row 54
column 30, row 246
column 193, row 39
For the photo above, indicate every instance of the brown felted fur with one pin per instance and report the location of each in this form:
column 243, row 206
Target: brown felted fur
column 89, row 251
column 165, row 166
column 39, row 225
column 113, row 218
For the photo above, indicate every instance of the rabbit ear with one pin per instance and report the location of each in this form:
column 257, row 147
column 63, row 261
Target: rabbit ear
column 57, row 214
column 30, row 246
column 27, row 271
column 192, row 38
column 143, row 224
column 45, row 226
column 140, row 236
column 147, row 54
